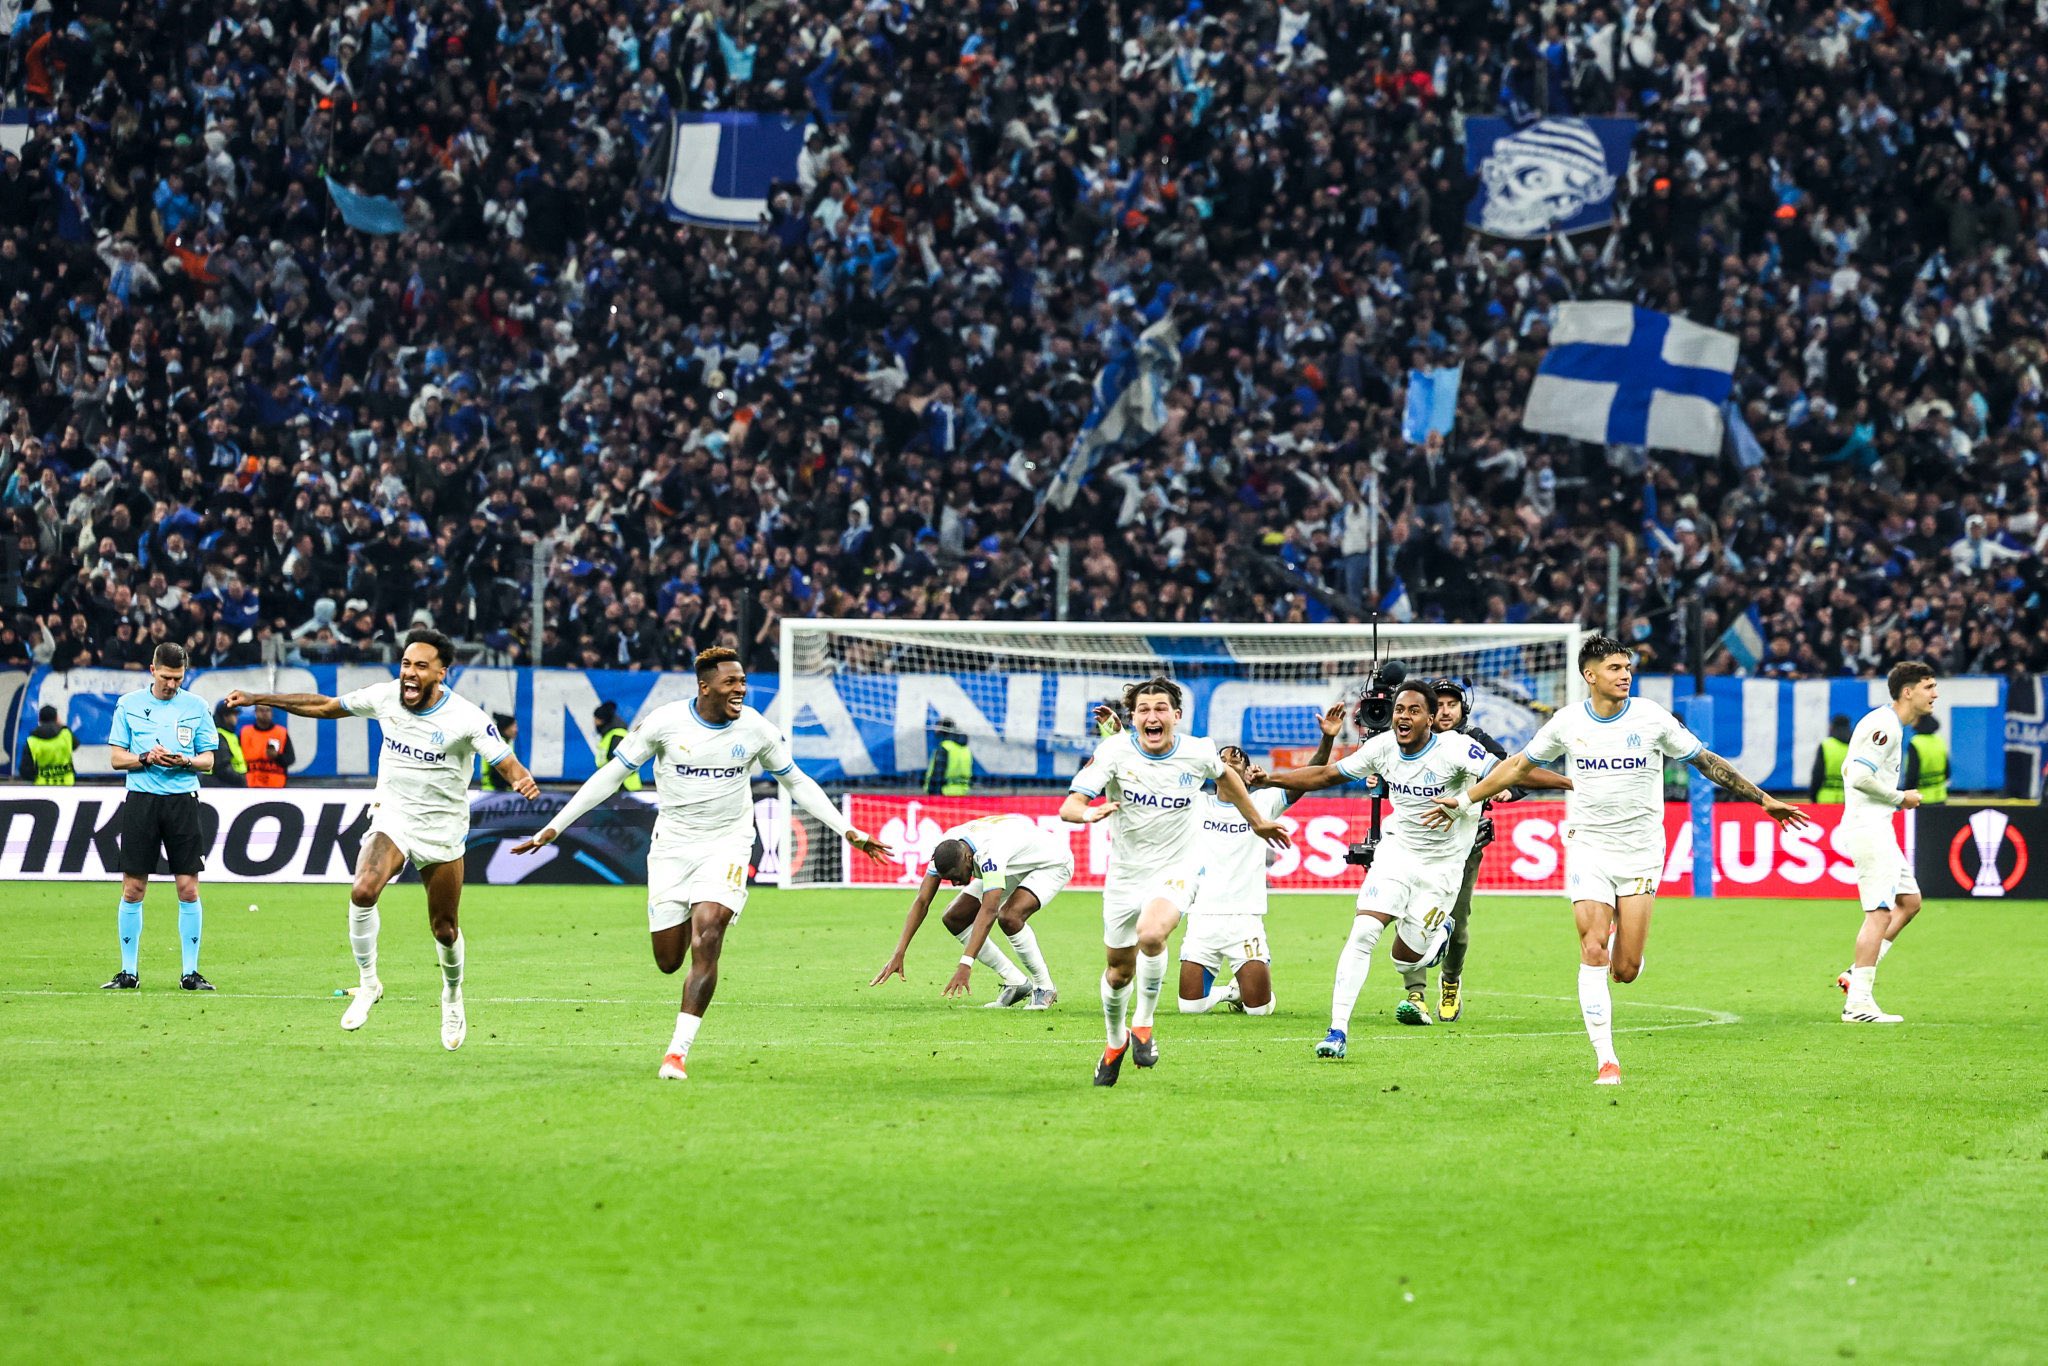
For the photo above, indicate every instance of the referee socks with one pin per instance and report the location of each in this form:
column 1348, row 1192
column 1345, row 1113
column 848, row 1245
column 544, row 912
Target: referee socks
column 130, row 923
column 190, row 919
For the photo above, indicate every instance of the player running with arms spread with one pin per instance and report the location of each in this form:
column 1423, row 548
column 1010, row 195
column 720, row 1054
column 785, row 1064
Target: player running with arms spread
column 1154, row 778
column 1614, row 746
column 1885, row 884
column 704, row 832
column 1008, row 869
column 432, row 740
column 1417, row 868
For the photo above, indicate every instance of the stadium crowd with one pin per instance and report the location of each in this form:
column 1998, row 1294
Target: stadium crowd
column 229, row 420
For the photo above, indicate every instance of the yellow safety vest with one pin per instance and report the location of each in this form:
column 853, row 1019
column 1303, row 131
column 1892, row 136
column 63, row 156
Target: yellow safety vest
column 1932, row 751
column 1833, row 754
column 230, row 745
column 53, row 758
column 608, row 742
column 958, row 776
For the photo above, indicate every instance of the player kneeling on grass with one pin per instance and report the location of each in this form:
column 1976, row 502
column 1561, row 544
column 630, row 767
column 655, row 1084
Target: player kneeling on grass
column 432, row 740
column 1224, row 961
column 1414, row 879
column 1885, row 884
column 1007, row 869
column 704, row 832
column 1154, row 777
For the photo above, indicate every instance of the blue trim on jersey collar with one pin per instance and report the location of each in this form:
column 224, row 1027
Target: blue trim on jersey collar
column 1609, row 720
column 1418, row 753
column 446, row 693
column 697, row 716
column 1171, row 751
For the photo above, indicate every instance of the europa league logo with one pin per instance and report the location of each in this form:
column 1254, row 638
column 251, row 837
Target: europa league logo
column 1991, row 832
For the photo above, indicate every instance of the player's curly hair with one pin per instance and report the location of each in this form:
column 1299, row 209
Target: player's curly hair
column 1159, row 684
column 1905, row 674
column 709, row 660
column 440, row 644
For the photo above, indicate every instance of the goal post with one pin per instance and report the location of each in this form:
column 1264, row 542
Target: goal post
column 862, row 700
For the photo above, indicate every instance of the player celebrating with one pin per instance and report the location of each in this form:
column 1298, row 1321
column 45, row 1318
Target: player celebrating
column 1454, row 715
column 163, row 738
column 1007, row 869
column 1224, row 960
column 1154, row 777
column 432, row 740
column 1415, row 872
column 704, row 834
column 1885, row 884
column 1614, row 821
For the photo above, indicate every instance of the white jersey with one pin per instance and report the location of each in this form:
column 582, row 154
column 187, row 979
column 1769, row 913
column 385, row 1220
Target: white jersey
column 424, row 768
column 1233, row 858
column 1616, row 765
column 1879, row 744
column 1158, row 823
column 1008, row 848
column 700, row 770
column 1445, row 766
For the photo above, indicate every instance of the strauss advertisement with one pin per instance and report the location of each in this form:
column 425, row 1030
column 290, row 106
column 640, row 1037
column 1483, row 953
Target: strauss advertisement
column 1752, row 856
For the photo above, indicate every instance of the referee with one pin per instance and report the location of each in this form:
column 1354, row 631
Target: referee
column 163, row 739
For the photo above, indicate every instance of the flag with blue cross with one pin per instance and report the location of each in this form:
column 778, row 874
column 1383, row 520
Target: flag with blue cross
column 1626, row 376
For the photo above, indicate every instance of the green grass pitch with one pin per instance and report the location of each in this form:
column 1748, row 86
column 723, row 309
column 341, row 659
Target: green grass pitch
column 879, row 1174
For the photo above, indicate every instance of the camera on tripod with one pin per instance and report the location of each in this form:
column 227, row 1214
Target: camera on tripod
column 1374, row 715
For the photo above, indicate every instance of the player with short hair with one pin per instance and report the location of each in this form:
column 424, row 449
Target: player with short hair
column 432, row 740
column 1885, row 885
column 1224, row 960
column 1614, row 746
column 1416, row 868
column 704, row 829
column 1454, row 715
column 1154, row 778
column 1008, row 869
column 162, row 738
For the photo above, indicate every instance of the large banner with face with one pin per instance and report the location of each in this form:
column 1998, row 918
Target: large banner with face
column 1553, row 175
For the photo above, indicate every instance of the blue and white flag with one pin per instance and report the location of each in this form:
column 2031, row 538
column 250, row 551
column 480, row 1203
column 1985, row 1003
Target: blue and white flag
column 721, row 166
column 1432, row 403
column 1130, row 402
column 1395, row 603
column 1619, row 375
column 1749, row 452
column 1553, row 175
column 369, row 213
column 15, row 124
column 1744, row 640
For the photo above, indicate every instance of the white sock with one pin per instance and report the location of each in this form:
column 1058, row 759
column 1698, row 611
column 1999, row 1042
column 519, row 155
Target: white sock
column 451, row 967
column 1597, row 1006
column 992, row 958
column 1116, row 1004
column 1201, row 1005
column 1025, row 943
column 1353, row 963
column 686, row 1032
column 1862, row 982
column 362, row 940
column 1151, row 977
column 1266, row 1009
column 1884, row 946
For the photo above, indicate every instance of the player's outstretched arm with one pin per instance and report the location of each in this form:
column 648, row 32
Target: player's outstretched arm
column 1543, row 780
column 1870, row 785
column 297, row 703
column 1722, row 774
column 1232, row 789
column 809, row 797
column 1313, row 778
column 1510, row 772
column 1076, row 811
column 977, row 935
column 517, row 778
column 920, row 906
column 610, row 776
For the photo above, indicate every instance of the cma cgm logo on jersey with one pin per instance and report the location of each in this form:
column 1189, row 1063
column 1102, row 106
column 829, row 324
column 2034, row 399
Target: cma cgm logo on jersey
column 1621, row 763
column 1163, row 803
column 1997, row 848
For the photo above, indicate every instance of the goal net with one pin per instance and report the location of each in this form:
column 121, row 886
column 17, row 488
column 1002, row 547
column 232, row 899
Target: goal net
column 866, row 703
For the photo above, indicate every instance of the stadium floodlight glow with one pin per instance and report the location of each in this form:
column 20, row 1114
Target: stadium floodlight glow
column 869, row 693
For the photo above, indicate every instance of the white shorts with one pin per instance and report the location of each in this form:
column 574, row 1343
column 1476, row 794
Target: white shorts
column 424, row 842
column 1214, row 940
column 1606, row 877
column 1883, row 874
column 1418, row 897
column 680, row 874
column 1124, row 897
column 1043, row 883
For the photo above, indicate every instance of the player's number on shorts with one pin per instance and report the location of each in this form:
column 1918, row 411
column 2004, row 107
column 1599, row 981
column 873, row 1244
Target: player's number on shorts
column 1433, row 919
column 736, row 875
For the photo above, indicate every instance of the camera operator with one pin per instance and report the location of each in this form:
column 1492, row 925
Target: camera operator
column 1454, row 713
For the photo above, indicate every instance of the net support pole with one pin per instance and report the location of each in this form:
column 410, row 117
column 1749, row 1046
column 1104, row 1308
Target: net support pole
column 543, row 556
column 785, row 703
column 1062, row 577
column 1372, row 536
column 1696, row 710
column 1613, row 591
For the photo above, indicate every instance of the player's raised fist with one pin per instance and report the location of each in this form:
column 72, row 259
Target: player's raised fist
column 238, row 699
column 526, row 787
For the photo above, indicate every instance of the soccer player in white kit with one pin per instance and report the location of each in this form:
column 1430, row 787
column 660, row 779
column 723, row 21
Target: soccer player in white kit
column 704, row 833
column 1154, row 779
column 1007, row 869
column 1224, row 959
column 1418, row 867
column 432, row 740
column 1614, row 746
column 1885, row 884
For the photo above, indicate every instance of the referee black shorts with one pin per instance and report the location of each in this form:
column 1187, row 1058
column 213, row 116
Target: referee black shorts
column 153, row 823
